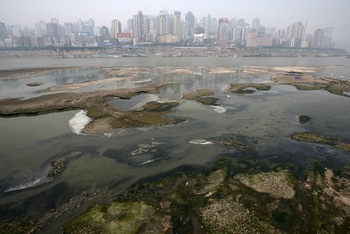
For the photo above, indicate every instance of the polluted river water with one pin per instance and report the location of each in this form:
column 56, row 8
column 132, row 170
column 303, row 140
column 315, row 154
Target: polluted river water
column 261, row 120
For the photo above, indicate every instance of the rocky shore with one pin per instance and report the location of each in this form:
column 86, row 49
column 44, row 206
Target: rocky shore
column 218, row 200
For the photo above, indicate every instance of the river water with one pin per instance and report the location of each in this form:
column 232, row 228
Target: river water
column 263, row 120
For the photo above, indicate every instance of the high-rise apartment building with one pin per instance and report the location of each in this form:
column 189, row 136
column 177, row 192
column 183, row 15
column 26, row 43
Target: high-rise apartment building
column 3, row 31
column 162, row 23
column 116, row 27
column 251, row 38
column 190, row 29
column 295, row 34
column 322, row 38
column 140, row 26
column 256, row 24
column 223, row 31
column 176, row 24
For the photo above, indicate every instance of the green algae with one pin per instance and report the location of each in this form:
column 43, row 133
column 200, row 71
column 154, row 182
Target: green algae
column 118, row 217
column 222, row 200
column 23, row 224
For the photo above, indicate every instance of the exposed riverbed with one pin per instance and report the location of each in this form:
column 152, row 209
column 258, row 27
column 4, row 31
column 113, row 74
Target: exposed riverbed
column 255, row 125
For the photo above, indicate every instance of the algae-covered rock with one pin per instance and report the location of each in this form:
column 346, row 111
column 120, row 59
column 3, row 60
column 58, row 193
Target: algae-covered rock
column 312, row 137
column 232, row 142
column 243, row 88
column 118, row 217
column 303, row 119
column 201, row 95
column 277, row 184
column 316, row 138
column 24, row 224
column 213, row 182
column 231, row 217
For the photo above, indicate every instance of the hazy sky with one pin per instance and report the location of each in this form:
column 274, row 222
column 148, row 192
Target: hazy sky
column 277, row 13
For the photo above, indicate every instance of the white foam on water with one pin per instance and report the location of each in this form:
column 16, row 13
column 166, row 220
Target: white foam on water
column 25, row 185
column 79, row 121
column 148, row 161
column 200, row 142
column 219, row 109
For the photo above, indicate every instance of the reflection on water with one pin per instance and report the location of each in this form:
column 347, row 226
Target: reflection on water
column 134, row 103
column 263, row 120
column 18, row 87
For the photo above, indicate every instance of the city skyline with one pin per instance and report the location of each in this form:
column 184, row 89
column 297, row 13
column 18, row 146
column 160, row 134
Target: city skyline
column 273, row 13
column 317, row 15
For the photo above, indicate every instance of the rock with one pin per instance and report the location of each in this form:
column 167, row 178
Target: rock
column 303, row 119
column 120, row 217
column 277, row 184
column 34, row 84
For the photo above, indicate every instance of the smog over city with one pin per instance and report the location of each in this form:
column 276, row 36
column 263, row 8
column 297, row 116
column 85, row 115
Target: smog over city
column 156, row 116
column 271, row 13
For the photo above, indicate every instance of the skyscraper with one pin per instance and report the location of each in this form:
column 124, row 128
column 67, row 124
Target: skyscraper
column 256, row 24
column 251, row 38
column 176, row 23
column 116, row 28
column 162, row 23
column 3, row 31
column 295, row 34
column 223, row 31
column 190, row 24
column 140, row 26
column 322, row 38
